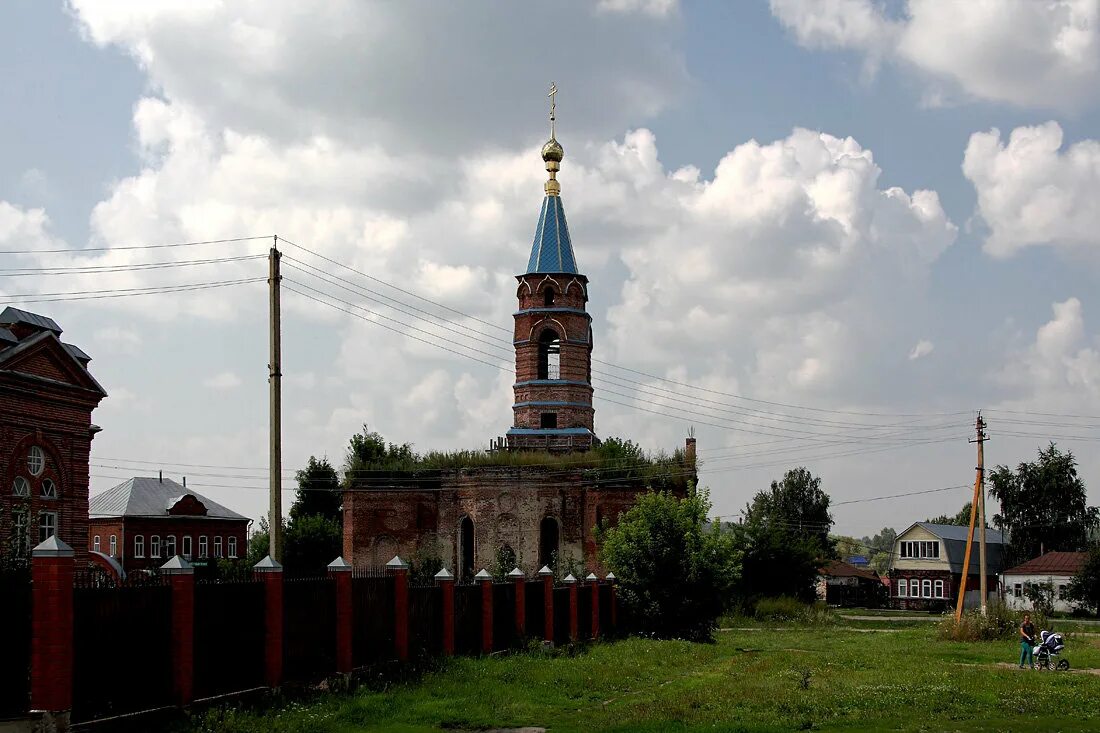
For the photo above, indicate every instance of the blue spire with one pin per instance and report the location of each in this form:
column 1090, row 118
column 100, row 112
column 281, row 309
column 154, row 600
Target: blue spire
column 552, row 250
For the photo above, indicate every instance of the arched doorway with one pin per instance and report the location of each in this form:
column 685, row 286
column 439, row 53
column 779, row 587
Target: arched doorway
column 548, row 541
column 549, row 355
column 466, row 548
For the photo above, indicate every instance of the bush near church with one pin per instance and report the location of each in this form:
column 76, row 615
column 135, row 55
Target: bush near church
column 675, row 576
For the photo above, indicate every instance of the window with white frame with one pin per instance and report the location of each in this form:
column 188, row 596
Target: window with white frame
column 203, row 546
column 95, row 543
column 903, row 587
column 232, row 546
column 920, row 550
column 1061, row 591
column 139, row 545
column 49, row 489
column 926, row 588
column 914, row 588
column 217, row 547
column 186, row 546
column 19, row 532
column 20, row 487
column 939, row 589
column 36, row 460
column 114, row 546
column 170, row 545
column 1017, row 590
column 47, row 525
column 154, row 546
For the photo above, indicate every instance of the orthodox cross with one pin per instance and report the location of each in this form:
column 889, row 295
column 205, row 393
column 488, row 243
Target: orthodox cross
column 553, row 91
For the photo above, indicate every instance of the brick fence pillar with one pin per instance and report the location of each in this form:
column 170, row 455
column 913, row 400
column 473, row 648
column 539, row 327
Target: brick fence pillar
column 271, row 572
column 446, row 582
column 572, row 583
column 614, row 604
column 52, row 628
column 181, row 578
column 400, row 571
column 340, row 572
column 547, row 576
column 594, row 589
column 486, row 582
column 517, row 577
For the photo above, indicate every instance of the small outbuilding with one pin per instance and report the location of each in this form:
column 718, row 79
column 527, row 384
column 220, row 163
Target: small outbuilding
column 1055, row 568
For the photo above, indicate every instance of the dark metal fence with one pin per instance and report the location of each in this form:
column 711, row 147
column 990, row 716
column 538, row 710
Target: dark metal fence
column 425, row 621
column 15, row 625
column 229, row 637
column 536, row 609
column 504, row 616
column 606, row 629
column 309, row 628
column 372, row 613
column 561, row 615
column 584, row 612
column 121, row 648
column 467, row 619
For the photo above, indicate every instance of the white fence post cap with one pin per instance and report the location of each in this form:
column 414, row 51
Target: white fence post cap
column 397, row 563
column 569, row 579
column 444, row 574
column 545, row 570
column 483, row 575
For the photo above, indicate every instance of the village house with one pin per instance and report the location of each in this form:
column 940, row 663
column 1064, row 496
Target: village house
column 538, row 513
column 47, row 396
column 927, row 566
column 1054, row 568
column 841, row 583
column 142, row 522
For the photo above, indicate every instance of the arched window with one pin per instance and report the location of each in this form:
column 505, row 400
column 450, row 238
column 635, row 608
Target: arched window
column 549, row 355
column 548, row 542
column 466, row 548
column 36, row 460
column 95, row 543
column 49, row 489
column 139, row 546
column 21, row 487
column 548, row 297
column 232, row 546
column 114, row 545
column 154, row 546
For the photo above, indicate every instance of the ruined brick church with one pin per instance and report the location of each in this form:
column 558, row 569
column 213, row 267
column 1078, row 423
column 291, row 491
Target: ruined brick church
column 539, row 512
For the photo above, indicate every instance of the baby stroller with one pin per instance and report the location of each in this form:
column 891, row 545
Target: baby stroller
column 1049, row 647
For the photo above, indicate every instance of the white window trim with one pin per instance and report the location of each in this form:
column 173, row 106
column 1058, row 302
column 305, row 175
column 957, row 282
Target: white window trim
column 20, row 519
column 170, row 546
column 186, row 547
column 926, row 588
column 903, row 587
column 114, row 545
column 20, row 487
column 154, row 545
column 96, row 543
column 233, row 547
column 218, row 546
column 36, row 460
column 45, row 515
column 139, row 545
column 938, row 587
column 914, row 587
column 52, row 494
column 204, row 546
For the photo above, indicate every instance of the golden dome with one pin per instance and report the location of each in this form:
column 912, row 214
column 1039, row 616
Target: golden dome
column 552, row 151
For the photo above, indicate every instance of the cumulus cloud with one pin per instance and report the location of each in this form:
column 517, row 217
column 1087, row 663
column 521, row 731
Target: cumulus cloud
column 1060, row 368
column 1018, row 51
column 1031, row 191
column 922, row 349
column 223, row 381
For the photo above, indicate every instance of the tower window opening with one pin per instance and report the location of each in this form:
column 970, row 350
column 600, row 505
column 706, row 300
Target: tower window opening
column 549, row 420
column 548, row 297
column 549, row 355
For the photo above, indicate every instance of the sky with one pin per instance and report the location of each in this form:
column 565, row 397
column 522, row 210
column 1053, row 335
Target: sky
column 819, row 234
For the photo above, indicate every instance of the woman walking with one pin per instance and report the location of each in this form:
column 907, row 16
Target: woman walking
column 1027, row 641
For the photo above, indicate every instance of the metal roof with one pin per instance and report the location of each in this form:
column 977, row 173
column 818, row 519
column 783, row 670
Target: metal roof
column 552, row 250
column 957, row 533
column 1052, row 563
column 954, row 545
column 7, row 337
column 76, row 351
column 14, row 315
column 150, row 497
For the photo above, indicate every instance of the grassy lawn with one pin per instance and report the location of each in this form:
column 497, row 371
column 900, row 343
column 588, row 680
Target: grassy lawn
column 762, row 680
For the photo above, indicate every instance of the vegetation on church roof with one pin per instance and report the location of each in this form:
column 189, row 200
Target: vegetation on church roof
column 369, row 457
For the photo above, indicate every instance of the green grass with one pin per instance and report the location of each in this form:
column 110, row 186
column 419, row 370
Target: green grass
column 821, row 678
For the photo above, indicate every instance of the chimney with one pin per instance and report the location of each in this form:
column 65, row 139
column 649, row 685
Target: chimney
column 689, row 450
column 160, row 476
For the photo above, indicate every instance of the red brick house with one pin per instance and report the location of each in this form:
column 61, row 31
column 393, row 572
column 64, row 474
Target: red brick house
column 142, row 522
column 840, row 583
column 47, row 396
column 927, row 565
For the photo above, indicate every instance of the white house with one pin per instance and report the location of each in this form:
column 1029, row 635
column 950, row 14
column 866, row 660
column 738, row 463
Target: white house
column 1056, row 568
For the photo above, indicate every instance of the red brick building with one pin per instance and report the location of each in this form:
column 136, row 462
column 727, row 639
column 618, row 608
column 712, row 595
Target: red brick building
column 143, row 522
column 927, row 566
column 539, row 513
column 47, row 396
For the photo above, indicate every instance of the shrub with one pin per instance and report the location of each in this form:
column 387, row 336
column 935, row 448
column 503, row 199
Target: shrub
column 675, row 577
column 997, row 624
column 785, row 609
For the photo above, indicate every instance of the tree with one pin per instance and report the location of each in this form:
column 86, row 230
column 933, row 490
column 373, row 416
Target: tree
column 962, row 519
column 1043, row 506
column 318, row 492
column 675, row 577
column 785, row 538
column 1084, row 588
column 312, row 542
column 1041, row 596
column 848, row 546
column 881, row 547
column 369, row 449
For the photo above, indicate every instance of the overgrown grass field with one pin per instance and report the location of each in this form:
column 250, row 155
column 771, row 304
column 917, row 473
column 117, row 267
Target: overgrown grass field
column 754, row 678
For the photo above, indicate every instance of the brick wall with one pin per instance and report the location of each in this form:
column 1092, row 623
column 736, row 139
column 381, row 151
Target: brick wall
column 180, row 527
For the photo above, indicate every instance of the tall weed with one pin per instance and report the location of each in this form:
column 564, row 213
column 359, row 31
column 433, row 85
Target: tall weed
column 997, row 624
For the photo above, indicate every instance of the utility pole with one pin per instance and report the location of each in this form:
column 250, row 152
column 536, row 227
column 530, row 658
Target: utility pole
column 979, row 426
column 274, row 380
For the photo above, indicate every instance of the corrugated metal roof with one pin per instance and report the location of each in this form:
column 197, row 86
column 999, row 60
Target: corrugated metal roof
column 14, row 315
column 150, row 497
column 552, row 250
column 76, row 351
column 7, row 338
column 955, row 532
column 1053, row 563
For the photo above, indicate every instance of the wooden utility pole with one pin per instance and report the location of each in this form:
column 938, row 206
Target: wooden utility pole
column 979, row 427
column 274, row 380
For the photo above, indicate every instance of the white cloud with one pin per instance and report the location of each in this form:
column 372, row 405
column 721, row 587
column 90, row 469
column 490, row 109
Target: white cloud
column 118, row 339
column 922, row 349
column 1023, row 52
column 1032, row 192
column 1060, row 368
column 223, row 381
column 656, row 8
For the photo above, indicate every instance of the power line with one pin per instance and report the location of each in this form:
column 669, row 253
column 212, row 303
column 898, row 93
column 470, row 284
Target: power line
column 131, row 247
column 27, row 298
column 134, row 267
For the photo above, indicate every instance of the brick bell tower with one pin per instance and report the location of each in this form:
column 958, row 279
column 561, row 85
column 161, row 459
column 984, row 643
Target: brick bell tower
column 553, row 332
